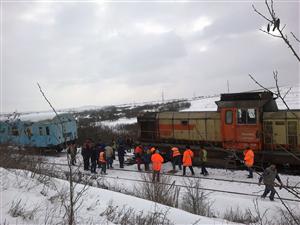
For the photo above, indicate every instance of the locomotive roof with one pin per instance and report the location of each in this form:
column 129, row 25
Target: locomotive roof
column 247, row 96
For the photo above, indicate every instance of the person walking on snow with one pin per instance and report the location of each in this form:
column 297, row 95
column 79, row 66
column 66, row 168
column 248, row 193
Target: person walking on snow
column 94, row 158
column 268, row 177
column 109, row 156
column 188, row 155
column 249, row 160
column 102, row 162
column 86, row 153
column 147, row 159
column 121, row 154
column 176, row 158
column 138, row 151
column 157, row 161
column 203, row 161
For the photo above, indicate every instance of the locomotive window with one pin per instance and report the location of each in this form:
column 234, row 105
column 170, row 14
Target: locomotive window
column 47, row 131
column 228, row 117
column 251, row 116
column 246, row 116
column 184, row 122
column 242, row 116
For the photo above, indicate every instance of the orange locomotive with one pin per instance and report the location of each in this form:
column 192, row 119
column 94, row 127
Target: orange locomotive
column 242, row 119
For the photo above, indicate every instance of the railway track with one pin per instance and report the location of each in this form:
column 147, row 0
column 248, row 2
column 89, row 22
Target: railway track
column 177, row 175
column 99, row 176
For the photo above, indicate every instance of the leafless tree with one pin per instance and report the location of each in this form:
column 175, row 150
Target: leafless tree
column 74, row 202
column 274, row 24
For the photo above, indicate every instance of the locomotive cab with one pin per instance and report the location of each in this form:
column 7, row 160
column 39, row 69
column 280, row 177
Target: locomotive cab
column 242, row 118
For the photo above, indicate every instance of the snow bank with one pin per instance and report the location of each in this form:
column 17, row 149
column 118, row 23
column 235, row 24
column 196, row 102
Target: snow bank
column 17, row 185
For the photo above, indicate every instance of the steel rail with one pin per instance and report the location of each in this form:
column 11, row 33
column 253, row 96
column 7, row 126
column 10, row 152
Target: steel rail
column 177, row 175
column 96, row 176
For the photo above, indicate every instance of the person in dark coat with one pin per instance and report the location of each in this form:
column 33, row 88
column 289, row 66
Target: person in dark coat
column 146, row 157
column 94, row 159
column 268, row 177
column 121, row 154
column 86, row 153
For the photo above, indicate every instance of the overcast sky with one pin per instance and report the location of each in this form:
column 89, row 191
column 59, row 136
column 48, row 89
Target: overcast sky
column 89, row 53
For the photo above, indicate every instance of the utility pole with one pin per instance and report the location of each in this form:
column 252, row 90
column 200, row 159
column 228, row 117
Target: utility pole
column 162, row 96
column 227, row 86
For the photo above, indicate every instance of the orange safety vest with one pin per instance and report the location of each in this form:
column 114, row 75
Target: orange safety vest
column 157, row 161
column 187, row 157
column 101, row 157
column 249, row 157
column 175, row 151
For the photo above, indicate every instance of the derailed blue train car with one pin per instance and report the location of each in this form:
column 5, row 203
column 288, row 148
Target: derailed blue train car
column 51, row 132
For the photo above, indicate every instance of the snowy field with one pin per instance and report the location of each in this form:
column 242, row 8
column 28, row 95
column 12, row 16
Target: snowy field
column 127, row 182
column 41, row 203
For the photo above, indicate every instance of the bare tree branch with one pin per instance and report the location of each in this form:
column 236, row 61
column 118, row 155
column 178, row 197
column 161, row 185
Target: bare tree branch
column 266, row 89
column 295, row 37
column 275, row 22
column 273, row 35
column 287, row 92
column 259, row 13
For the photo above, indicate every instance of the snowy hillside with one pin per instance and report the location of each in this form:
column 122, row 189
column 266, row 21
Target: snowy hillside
column 26, row 200
column 208, row 103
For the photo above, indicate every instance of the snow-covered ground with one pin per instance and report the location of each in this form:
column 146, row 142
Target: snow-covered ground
column 41, row 203
column 117, row 122
column 222, row 202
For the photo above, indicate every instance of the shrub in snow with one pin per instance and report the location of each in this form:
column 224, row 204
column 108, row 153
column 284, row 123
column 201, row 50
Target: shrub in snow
column 287, row 219
column 194, row 199
column 238, row 216
column 128, row 216
column 160, row 192
column 17, row 209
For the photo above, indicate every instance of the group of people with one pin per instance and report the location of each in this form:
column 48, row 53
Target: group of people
column 101, row 154
column 151, row 154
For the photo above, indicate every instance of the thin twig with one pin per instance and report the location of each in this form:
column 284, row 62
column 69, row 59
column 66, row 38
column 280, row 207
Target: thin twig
column 259, row 13
column 295, row 37
column 287, row 92
column 273, row 35
column 266, row 89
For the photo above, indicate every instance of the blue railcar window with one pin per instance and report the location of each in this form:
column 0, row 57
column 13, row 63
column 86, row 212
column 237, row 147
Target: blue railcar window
column 15, row 131
column 47, row 131
column 41, row 131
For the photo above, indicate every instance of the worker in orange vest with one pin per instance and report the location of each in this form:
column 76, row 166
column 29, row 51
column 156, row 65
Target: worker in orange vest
column 176, row 158
column 188, row 155
column 249, row 160
column 157, row 161
column 102, row 161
